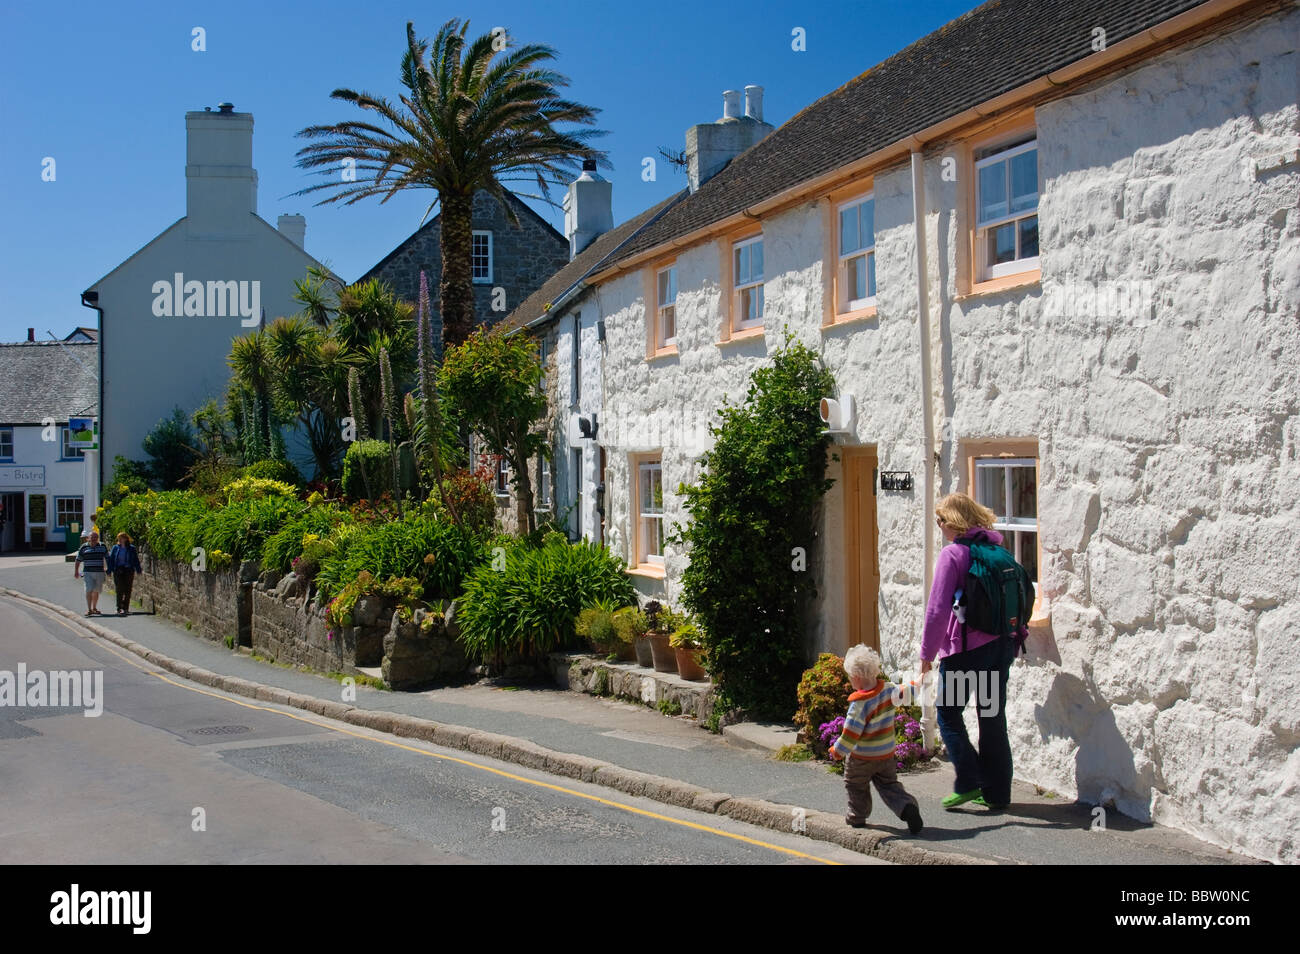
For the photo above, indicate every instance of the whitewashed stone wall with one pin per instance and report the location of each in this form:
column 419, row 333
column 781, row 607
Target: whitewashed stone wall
column 1168, row 679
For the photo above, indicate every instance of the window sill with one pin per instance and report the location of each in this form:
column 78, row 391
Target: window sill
column 745, row 334
column 653, row 571
column 668, row 352
column 1031, row 277
column 848, row 317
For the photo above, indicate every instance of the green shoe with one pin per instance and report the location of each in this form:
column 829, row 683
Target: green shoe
column 953, row 800
column 995, row 806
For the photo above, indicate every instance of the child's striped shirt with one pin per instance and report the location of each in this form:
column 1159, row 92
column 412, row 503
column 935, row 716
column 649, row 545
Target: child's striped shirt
column 869, row 726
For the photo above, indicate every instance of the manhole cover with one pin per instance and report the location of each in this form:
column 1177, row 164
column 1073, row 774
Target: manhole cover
column 221, row 730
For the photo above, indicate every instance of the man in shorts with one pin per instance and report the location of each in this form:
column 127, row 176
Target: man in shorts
column 95, row 556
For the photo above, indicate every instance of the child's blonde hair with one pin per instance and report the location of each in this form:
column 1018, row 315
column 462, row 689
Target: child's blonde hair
column 864, row 662
column 959, row 512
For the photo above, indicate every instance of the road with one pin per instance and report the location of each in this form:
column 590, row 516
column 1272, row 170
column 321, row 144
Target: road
column 174, row 772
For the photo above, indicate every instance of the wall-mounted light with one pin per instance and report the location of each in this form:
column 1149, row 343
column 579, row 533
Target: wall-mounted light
column 837, row 413
column 588, row 426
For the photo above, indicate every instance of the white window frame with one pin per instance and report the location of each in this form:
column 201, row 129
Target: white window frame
column 575, row 363
column 662, row 306
column 481, row 280
column 501, row 477
column 6, row 437
column 59, row 520
column 1011, row 527
column 738, row 288
column 66, row 451
column 544, row 500
column 646, row 514
column 843, row 304
column 985, row 269
column 575, row 464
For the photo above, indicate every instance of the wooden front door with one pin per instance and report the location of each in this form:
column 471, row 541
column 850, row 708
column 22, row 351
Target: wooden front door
column 862, row 542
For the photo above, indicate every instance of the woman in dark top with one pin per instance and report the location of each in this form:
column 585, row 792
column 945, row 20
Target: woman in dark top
column 124, row 564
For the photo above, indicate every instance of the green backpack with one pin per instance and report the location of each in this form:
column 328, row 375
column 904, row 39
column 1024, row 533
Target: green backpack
column 998, row 596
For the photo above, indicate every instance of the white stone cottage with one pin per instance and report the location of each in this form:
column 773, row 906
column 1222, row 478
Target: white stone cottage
column 1052, row 252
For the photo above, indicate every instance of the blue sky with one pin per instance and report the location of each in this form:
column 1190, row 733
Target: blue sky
column 103, row 90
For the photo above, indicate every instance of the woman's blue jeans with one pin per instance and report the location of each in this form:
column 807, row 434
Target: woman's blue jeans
column 978, row 674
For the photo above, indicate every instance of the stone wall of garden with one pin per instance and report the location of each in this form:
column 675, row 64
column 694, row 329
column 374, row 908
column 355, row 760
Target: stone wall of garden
column 215, row 604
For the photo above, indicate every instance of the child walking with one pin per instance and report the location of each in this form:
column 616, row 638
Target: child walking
column 867, row 742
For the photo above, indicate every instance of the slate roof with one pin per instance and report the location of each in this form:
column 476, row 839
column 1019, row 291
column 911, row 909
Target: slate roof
column 48, row 379
column 586, row 262
column 991, row 50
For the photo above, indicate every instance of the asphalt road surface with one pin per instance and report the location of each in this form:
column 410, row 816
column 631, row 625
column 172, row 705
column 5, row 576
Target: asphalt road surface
column 174, row 772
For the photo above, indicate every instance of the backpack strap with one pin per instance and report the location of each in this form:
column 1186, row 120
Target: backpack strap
column 966, row 544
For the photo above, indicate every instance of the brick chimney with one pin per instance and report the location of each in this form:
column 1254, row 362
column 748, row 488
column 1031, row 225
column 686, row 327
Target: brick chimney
column 710, row 146
column 220, row 181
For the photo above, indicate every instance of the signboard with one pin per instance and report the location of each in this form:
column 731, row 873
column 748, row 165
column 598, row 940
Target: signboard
column 36, row 508
column 83, row 433
column 13, row 476
column 895, row 480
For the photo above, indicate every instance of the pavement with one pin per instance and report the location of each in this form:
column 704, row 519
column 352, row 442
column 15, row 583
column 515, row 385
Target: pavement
column 640, row 752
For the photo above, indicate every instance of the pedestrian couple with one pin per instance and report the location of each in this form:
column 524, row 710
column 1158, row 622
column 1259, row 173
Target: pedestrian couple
column 122, row 561
column 968, row 656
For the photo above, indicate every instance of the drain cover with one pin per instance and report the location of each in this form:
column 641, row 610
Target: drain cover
column 221, row 730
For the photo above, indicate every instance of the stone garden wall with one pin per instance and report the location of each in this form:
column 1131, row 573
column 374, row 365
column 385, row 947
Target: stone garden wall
column 214, row 604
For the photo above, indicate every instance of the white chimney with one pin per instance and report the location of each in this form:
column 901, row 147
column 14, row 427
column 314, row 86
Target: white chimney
column 294, row 228
column 588, row 208
column 220, row 181
column 710, row 146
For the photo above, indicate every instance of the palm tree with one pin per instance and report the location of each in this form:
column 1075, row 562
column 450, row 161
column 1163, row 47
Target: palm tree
column 468, row 122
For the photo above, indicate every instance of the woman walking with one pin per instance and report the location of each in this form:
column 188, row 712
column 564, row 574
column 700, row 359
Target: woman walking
column 124, row 564
column 969, row 660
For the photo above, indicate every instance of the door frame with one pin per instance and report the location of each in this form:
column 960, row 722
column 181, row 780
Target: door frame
column 861, row 598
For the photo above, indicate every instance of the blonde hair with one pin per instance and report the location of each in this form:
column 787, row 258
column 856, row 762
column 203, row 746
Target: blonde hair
column 961, row 513
column 864, row 662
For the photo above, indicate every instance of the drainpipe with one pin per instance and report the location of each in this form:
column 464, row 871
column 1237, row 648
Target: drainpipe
column 923, row 311
column 90, row 299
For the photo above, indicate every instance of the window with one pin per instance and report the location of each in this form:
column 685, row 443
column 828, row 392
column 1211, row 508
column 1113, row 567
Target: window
column 747, row 284
column 502, row 477
column 856, row 272
column 1006, row 209
column 650, row 511
column 666, row 309
column 68, row 510
column 543, row 483
column 541, row 359
column 575, row 361
column 6, row 443
column 1009, row 487
column 481, row 258
column 69, row 452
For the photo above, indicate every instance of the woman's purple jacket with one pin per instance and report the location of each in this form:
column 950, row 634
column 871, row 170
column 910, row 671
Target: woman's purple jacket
column 942, row 636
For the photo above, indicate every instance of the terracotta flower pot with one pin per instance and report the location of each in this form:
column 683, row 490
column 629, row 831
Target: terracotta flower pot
column 665, row 657
column 644, row 654
column 625, row 652
column 688, row 665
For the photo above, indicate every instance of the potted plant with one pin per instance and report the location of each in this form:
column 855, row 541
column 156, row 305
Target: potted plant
column 630, row 625
column 687, row 647
column 644, row 652
column 665, row 658
column 595, row 624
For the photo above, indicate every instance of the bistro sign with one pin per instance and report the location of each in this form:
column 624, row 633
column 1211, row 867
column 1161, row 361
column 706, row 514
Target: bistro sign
column 11, row 476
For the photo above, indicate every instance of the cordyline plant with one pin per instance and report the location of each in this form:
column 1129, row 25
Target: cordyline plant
column 392, row 414
column 469, row 121
column 430, row 409
column 357, row 410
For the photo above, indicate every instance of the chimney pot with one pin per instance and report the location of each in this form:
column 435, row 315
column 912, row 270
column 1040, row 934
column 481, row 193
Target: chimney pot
column 31, row 334
column 226, row 107
column 589, row 165
column 731, row 104
column 754, row 102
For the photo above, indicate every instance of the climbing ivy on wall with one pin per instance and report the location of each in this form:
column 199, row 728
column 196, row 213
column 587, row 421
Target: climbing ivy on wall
column 752, row 528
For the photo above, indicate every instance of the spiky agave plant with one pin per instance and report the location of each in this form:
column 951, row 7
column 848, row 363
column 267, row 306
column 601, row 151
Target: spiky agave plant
column 357, row 410
column 389, row 401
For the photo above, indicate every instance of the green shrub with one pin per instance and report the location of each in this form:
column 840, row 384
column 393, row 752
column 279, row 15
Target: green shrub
column 436, row 553
column 280, row 470
column 286, row 543
column 529, row 606
column 172, row 528
column 405, row 589
column 378, row 469
column 823, row 694
column 629, row 623
column 596, row 625
column 241, row 528
column 754, row 505
column 255, row 488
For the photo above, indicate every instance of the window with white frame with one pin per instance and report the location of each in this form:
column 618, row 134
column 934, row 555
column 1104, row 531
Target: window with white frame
column 543, row 483
column 650, row 511
column 502, row 477
column 68, row 510
column 1006, row 209
column 481, row 258
column 6, row 443
column 747, row 283
column 857, row 255
column 575, row 362
column 575, row 465
column 1009, row 487
column 666, row 307
column 69, row 452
